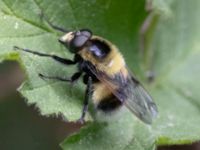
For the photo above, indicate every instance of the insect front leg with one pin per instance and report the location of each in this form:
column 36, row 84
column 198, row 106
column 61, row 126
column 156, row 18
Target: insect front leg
column 86, row 100
column 52, row 25
column 72, row 79
column 56, row 58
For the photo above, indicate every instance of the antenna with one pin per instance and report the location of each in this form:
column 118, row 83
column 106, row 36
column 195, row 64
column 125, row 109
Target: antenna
column 52, row 25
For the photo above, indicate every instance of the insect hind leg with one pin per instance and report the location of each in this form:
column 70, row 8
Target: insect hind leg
column 86, row 100
column 56, row 58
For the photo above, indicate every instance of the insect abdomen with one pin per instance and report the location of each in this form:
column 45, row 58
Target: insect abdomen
column 109, row 104
column 104, row 99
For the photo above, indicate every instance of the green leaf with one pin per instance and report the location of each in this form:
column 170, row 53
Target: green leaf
column 123, row 132
column 172, row 54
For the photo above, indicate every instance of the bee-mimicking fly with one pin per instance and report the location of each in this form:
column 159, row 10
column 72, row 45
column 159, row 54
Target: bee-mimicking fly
column 109, row 82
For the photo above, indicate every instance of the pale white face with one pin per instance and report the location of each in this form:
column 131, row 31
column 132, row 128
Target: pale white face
column 67, row 37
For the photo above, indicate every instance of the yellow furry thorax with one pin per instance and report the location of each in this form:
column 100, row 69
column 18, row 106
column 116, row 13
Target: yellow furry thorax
column 111, row 64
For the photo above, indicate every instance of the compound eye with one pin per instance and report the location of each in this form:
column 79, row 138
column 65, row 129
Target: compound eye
column 80, row 38
column 79, row 41
column 86, row 32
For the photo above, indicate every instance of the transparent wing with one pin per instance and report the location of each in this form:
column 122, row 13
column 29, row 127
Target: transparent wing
column 139, row 101
column 129, row 91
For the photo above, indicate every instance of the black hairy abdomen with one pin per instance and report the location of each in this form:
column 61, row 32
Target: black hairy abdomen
column 109, row 104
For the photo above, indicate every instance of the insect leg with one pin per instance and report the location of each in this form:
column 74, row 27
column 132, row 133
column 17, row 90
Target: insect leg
column 52, row 25
column 86, row 100
column 72, row 79
column 56, row 58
